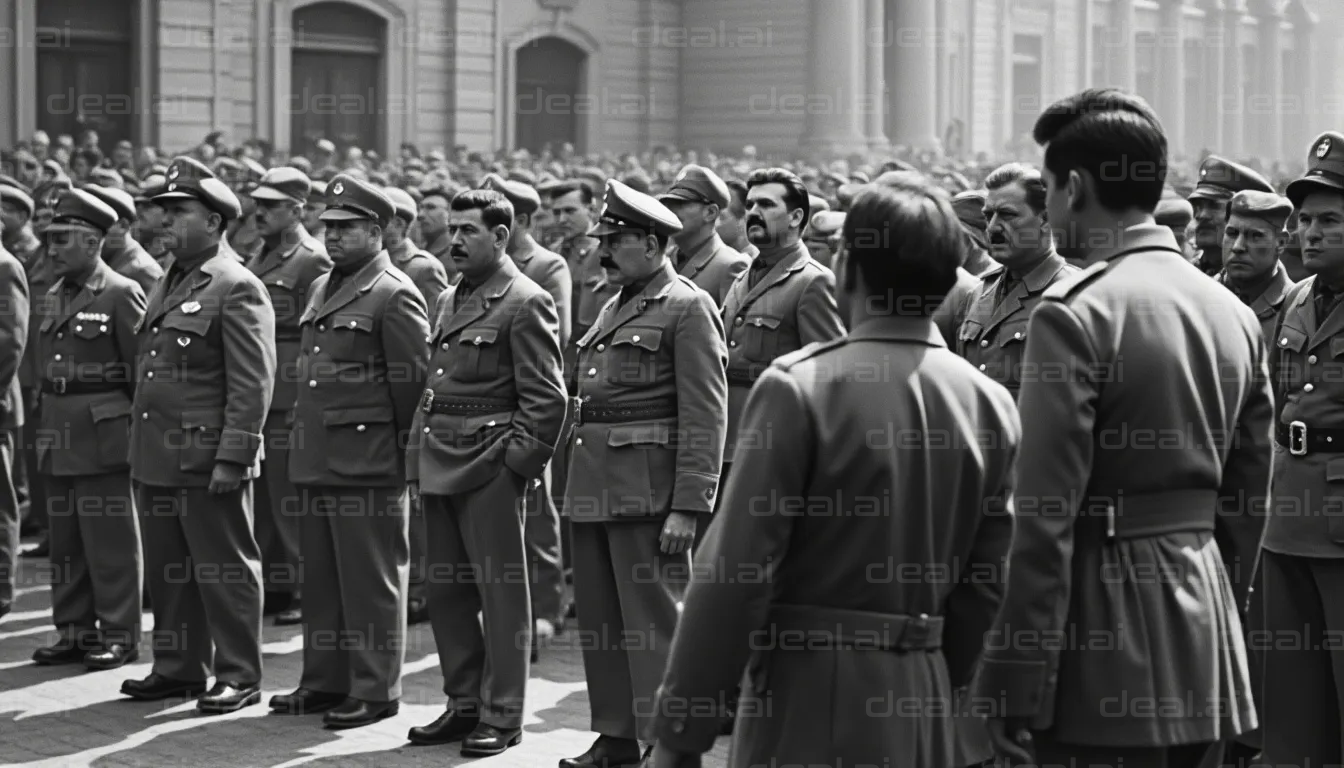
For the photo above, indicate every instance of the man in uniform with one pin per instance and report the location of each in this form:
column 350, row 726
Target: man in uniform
column 491, row 416
column 16, row 210
column 122, row 253
column 732, row 227
column 312, row 210
column 14, row 338
column 970, row 208
column 433, row 221
column 363, row 364
column 650, row 408
column 86, row 349
column 697, row 197
column 820, row 233
column 1303, row 554
column 288, row 263
column 1135, row 345
column 1219, row 180
column 572, row 205
column 149, row 219
column 1175, row 213
column 831, row 574
column 206, row 367
column 993, row 334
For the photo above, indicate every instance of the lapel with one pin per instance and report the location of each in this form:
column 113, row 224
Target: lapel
column 92, row 287
column 1331, row 325
column 478, row 303
column 1273, row 296
column 1031, row 284
column 355, row 285
column 792, row 262
column 270, row 260
column 1301, row 314
column 615, row 314
column 197, row 279
column 700, row 258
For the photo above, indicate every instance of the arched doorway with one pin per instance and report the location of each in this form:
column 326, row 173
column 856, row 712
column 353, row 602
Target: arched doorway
column 84, row 59
column 548, row 94
column 336, row 76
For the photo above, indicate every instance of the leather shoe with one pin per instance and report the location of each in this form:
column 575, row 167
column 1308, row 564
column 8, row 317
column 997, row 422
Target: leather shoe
column 229, row 697
column 111, row 656
column 451, row 726
column 607, row 752
column 488, row 740
column 354, row 713
column 289, row 617
column 67, row 650
column 42, row 549
column 305, row 701
column 156, row 687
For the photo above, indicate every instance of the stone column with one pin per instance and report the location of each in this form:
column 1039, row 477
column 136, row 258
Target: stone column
column 912, row 67
column 1087, row 52
column 1301, row 128
column 1265, row 110
column 875, row 61
column 1123, row 19
column 835, row 81
column 1171, row 69
column 1233, row 113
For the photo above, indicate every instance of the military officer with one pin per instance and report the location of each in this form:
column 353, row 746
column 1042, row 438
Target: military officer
column 732, row 227
column 424, row 270
column 652, row 401
column 312, row 210
column 970, row 208
column 697, row 197
column 148, row 229
column 1219, row 180
column 16, row 209
column 1176, row 213
column 363, row 363
column 831, row 574
column 433, row 223
column 572, row 205
column 491, row 417
column 86, row 348
column 206, row 367
column 288, row 263
column 1187, row 502
column 14, row 338
column 993, row 334
column 1303, row 555
column 820, row 233
column 121, row 252
column 541, row 528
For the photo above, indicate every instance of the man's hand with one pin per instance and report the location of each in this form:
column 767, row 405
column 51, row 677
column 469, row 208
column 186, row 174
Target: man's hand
column 1012, row 741
column 226, row 477
column 664, row 757
column 678, row 533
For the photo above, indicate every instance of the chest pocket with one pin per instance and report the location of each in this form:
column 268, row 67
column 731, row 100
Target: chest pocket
column 287, row 301
column 348, row 336
column 1014, row 335
column 184, row 337
column 968, row 335
column 481, row 354
column 634, row 355
column 90, row 330
column 763, row 338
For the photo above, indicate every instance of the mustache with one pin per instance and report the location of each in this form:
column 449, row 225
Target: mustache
column 998, row 238
column 607, row 262
column 459, row 252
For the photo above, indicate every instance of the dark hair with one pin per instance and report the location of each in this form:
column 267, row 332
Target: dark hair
column 905, row 240
column 496, row 210
column 1019, row 173
column 795, row 192
column 585, row 191
column 738, row 192
column 92, row 155
column 1113, row 136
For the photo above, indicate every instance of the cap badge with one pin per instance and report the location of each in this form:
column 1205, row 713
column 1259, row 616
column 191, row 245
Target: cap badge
column 1323, row 148
column 191, row 307
column 174, row 172
column 1204, row 172
column 183, row 341
column 338, row 188
column 681, row 175
column 172, row 187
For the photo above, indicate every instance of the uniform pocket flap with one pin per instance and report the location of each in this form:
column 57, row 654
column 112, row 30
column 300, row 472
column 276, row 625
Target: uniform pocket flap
column 191, row 323
column 644, row 338
column 1337, row 347
column 478, row 422
column 1016, row 334
column 116, row 409
column 765, row 321
column 199, row 419
column 353, row 322
column 1334, row 470
column 638, row 434
column 90, row 329
column 379, row 414
column 479, row 336
column 1291, row 338
column 278, row 281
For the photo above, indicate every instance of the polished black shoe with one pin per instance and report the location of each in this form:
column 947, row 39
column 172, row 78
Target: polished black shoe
column 607, row 752
column 305, row 701
column 417, row 611
column 289, row 617
column 356, row 713
column 229, row 697
column 156, row 687
column 111, row 656
column 450, row 727
column 488, row 740
column 67, row 650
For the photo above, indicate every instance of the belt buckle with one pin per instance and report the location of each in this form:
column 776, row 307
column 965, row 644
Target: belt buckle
column 1297, row 438
column 427, row 401
column 578, row 411
column 58, row 386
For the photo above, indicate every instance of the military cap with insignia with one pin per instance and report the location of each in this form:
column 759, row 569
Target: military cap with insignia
column 1325, row 168
column 151, row 186
column 79, row 209
column 189, row 179
column 1173, row 210
column 698, row 184
column 106, row 177
column 625, row 209
column 1270, row 207
column 1220, row 179
column 255, row 171
column 317, row 189
column 284, row 184
column 119, row 200
column 349, row 199
column 522, row 197
column 826, row 223
column 15, row 196
column 403, row 203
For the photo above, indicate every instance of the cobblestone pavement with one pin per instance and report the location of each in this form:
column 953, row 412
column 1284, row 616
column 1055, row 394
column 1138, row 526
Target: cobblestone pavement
column 65, row 716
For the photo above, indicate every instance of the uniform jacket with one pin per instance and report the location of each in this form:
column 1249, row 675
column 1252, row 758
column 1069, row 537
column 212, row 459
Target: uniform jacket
column 224, row 248
column 25, row 245
column 441, row 249
column 1307, row 512
column 1266, row 306
column 425, row 271
column 41, row 276
column 14, row 337
column 500, row 343
column 288, row 273
column 993, row 334
column 935, row 547
column 89, row 339
column 791, row 306
column 951, row 310
column 1152, row 423
column 712, row 265
column 134, row 261
column 591, row 290
column 549, row 270
column 205, row 370
column 362, row 369
column 663, row 345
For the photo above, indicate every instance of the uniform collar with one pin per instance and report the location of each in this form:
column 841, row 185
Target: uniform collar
column 1141, row 237
column 919, row 330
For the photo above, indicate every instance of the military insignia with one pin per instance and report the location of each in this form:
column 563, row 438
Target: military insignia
column 1323, row 148
column 172, row 187
column 191, row 307
column 174, row 172
column 1204, row 172
column 183, row 341
column 681, row 175
column 338, row 189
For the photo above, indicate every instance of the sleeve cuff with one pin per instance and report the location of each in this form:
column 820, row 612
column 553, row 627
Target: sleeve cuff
column 1018, row 685
column 685, row 726
column 695, row 492
column 527, row 455
column 238, row 447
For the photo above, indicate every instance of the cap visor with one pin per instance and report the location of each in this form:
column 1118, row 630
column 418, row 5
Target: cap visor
column 1300, row 188
column 680, row 194
column 175, row 196
column 70, row 226
column 341, row 214
column 1208, row 192
column 603, row 228
column 271, row 193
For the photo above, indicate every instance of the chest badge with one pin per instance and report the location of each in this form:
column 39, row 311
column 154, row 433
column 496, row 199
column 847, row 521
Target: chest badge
column 191, row 307
column 183, row 341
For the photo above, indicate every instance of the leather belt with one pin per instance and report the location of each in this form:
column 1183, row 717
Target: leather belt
column 464, row 406
column 827, row 628
column 1300, row 439
column 1141, row 515
column 68, row 387
column 638, row 410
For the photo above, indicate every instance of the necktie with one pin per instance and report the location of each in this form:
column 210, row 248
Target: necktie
column 1006, row 287
column 758, row 270
column 1325, row 303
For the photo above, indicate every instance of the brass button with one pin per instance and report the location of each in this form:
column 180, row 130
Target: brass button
column 316, row 350
column 78, row 328
column 153, row 353
column 354, row 324
column 738, row 321
column 635, row 339
column 592, row 371
column 445, row 345
column 155, row 329
column 439, row 372
column 312, row 384
column 149, row 375
column 1308, row 388
column 360, row 428
column 477, row 340
column 102, row 328
column 984, row 342
column 578, row 441
column 982, row 366
column 601, row 347
column 490, row 423
column 426, row 430
column 1017, row 335
column 60, row 335
column 144, row 416
column 732, row 343
column 1283, row 342
column 321, row 327
column 1311, row 359
column 58, row 358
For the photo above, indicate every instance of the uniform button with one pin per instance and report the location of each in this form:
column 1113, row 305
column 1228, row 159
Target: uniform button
column 982, row 366
column 439, row 372
column 60, row 335
column 732, row 343
column 149, row 375
column 426, row 430
column 1308, row 388
column 321, row 327
column 312, row 385
column 490, row 423
column 635, row 339
column 360, row 428
column 153, row 353
column 984, row 342
column 578, row 441
column 102, row 329
column 1283, row 342
column 477, row 340
column 1017, row 335
column 58, row 358
column 154, row 330
column 601, row 347
column 144, row 416
column 353, row 324
column 1312, row 359
column 78, row 328
column 738, row 320
column 592, row 371
column 316, row 350
column 445, row 345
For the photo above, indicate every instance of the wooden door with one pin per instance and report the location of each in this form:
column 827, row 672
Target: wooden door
column 548, row 95
column 335, row 96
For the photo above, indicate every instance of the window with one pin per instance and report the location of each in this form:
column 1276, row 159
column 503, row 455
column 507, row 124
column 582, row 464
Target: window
column 337, row 77
column 84, row 60
column 1027, row 72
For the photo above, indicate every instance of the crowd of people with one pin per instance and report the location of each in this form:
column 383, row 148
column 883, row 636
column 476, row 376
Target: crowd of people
column 356, row 392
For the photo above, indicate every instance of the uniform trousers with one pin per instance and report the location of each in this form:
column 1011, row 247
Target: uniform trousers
column 204, row 572
column 626, row 592
column 278, row 512
column 1052, row 754
column 98, row 566
column 356, row 553
column 27, row 466
column 478, row 565
column 546, row 568
column 418, row 588
column 9, row 522
column 1303, row 679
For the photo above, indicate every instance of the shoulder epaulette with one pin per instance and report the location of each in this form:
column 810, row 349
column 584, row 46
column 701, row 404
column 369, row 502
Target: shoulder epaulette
column 1068, row 286
column 808, row 352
